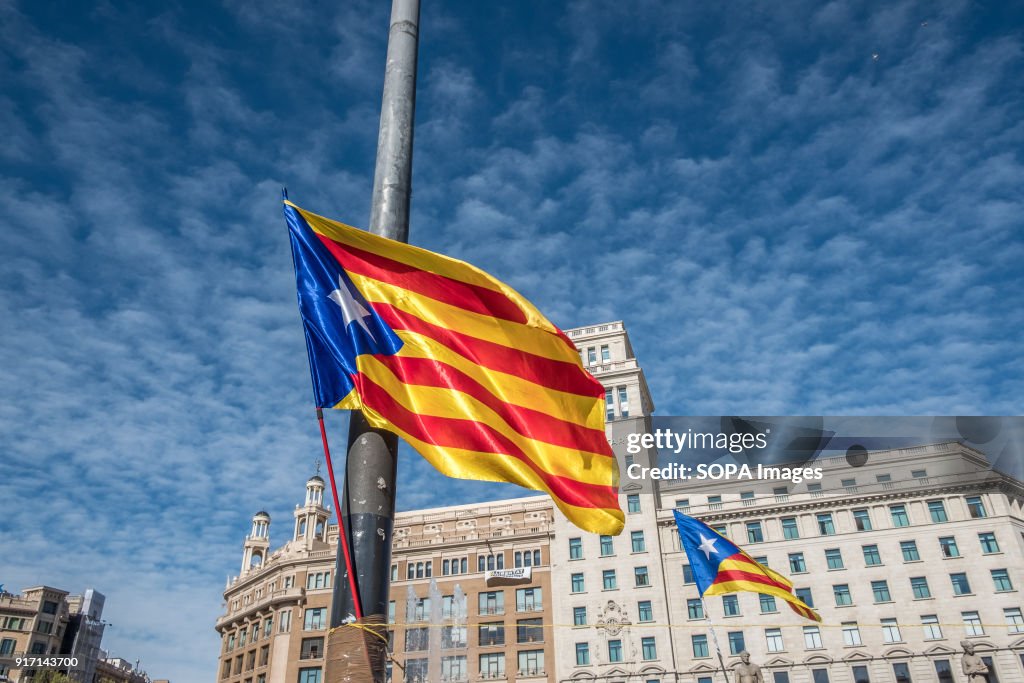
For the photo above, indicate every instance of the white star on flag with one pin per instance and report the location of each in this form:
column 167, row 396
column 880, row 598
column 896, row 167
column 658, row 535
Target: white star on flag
column 351, row 310
column 707, row 545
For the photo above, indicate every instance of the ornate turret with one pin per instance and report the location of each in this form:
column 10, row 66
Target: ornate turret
column 257, row 543
column 311, row 518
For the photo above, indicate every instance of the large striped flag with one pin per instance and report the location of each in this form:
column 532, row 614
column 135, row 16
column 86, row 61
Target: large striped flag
column 720, row 566
column 455, row 362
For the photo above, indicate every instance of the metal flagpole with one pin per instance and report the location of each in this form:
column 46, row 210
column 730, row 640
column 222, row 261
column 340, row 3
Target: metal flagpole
column 368, row 502
column 714, row 637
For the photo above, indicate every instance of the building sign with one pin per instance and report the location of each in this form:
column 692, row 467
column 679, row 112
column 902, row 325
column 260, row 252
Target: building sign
column 504, row 577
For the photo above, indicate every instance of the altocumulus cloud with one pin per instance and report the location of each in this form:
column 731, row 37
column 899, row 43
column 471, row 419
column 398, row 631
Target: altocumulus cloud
column 803, row 209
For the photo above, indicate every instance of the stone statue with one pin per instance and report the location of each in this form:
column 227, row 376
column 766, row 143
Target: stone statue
column 974, row 667
column 750, row 673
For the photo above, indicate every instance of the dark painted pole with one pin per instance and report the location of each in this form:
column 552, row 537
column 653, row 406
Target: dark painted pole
column 368, row 503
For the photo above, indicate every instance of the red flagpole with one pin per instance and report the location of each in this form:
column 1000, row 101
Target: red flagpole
column 342, row 534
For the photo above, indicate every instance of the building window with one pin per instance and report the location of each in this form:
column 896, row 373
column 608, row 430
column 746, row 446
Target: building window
column 972, row 624
column 871, row 556
column 842, row 594
column 648, row 648
column 899, row 515
column 948, row 546
column 694, row 608
column 754, row 532
column 825, row 525
column 609, row 404
column 636, row 538
column 796, row 563
column 582, row 654
column 890, row 631
column 606, row 546
column 529, row 599
column 315, row 619
column 730, row 605
column 417, row 639
column 773, row 638
column 937, row 510
column 454, row 668
column 492, row 633
column 531, row 662
column 919, row 587
column 1001, row 579
column 851, row 633
column 834, row 558
column 860, row 674
column 1014, row 619
column 767, row 604
column 633, row 503
column 943, row 671
column 577, row 583
column 975, row 507
column 688, row 574
column 819, row 675
column 961, row 586
column 447, row 606
column 880, row 589
column 309, row 675
column 421, row 610
column 645, row 611
column 592, row 356
column 932, row 628
column 901, row 671
column 608, row 579
column 789, row 528
column 862, row 519
column 812, row 638
column 605, row 353
column 530, row 630
column 623, row 402
column 640, row 576
column 715, row 502
column 313, row 648
column 579, row 616
column 453, row 637
column 683, row 504
column 736, row 643
column 700, row 645
column 286, row 621
column 805, row 595
column 781, row 676
column 492, row 665
column 988, row 542
column 909, row 550
column 614, row 650
column 575, row 548
column 492, row 602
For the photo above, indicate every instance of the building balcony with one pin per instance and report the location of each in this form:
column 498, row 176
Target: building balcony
column 269, row 600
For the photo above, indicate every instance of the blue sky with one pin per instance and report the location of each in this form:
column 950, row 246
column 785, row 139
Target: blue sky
column 810, row 208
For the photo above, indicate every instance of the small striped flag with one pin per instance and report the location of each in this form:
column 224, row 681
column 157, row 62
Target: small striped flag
column 455, row 362
column 720, row 566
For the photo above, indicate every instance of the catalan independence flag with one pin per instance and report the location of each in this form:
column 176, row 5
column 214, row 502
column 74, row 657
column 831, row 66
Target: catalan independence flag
column 456, row 363
column 719, row 567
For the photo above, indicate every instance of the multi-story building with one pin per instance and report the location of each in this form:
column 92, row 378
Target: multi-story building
column 456, row 612
column 32, row 623
column 48, row 621
column 904, row 553
column 903, row 556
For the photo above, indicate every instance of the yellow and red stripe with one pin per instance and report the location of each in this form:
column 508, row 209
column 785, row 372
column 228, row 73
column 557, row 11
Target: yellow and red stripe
column 741, row 573
column 484, row 386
